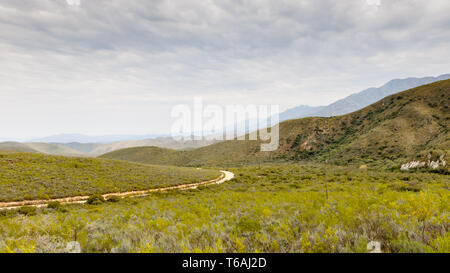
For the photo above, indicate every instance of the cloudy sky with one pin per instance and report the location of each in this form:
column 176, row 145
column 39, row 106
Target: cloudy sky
column 119, row 66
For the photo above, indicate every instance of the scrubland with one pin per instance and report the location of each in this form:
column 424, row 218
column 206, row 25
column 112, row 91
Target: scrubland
column 266, row 208
column 28, row 176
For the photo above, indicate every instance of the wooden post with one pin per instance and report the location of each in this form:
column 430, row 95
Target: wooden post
column 326, row 181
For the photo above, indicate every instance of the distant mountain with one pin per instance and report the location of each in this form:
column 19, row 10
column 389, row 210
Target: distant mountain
column 300, row 111
column 69, row 138
column 36, row 147
column 359, row 100
column 95, row 149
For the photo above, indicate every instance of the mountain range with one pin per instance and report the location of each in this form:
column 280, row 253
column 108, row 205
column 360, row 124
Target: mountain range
column 85, row 145
column 348, row 104
column 359, row 100
column 95, row 149
column 402, row 127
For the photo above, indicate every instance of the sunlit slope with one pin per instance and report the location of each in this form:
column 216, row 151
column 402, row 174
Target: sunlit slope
column 403, row 126
column 149, row 155
column 25, row 176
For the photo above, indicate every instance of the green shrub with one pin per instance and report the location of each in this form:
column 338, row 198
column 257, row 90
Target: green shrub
column 441, row 170
column 113, row 199
column 95, row 199
column 27, row 210
column 54, row 205
column 248, row 224
column 405, row 187
column 6, row 213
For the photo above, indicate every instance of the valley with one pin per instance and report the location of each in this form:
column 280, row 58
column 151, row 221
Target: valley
column 334, row 185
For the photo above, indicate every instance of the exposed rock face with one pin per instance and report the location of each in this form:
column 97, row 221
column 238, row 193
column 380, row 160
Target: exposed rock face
column 420, row 164
column 435, row 164
column 412, row 165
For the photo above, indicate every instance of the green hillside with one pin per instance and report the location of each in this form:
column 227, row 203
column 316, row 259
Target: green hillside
column 400, row 127
column 149, row 155
column 25, row 176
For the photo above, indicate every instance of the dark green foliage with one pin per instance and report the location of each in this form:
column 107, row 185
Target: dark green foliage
column 297, row 141
column 113, row 198
column 96, row 199
column 27, row 210
column 405, row 187
column 54, row 205
column 248, row 225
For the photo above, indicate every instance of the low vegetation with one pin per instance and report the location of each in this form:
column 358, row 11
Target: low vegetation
column 148, row 155
column 267, row 208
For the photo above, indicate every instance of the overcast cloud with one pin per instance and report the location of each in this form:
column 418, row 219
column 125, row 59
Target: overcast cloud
column 117, row 67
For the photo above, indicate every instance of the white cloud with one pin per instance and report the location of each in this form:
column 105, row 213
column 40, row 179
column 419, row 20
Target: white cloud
column 73, row 2
column 118, row 66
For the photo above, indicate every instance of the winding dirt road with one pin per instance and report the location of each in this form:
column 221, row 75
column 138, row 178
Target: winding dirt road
column 226, row 176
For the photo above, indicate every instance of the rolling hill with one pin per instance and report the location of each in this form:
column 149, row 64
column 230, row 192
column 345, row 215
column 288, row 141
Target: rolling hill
column 399, row 127
column 35, row 147
column 27, row 176
column 162, row 142
column 53, row 149
column 95, row 149
column 149, row 155
column 16, row 146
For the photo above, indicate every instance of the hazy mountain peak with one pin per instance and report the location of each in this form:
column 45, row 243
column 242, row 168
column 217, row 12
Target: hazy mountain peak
column 361, row 99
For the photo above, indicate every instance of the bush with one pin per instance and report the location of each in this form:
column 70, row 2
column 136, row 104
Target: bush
column 27, row 210
column 248, row 224
column 401, row 187
column 6, row 213
column 55, row 205
column 441, row 170
column 95, row 199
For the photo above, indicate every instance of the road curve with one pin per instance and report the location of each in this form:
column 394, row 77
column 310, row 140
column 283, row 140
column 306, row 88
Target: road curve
column 226, row 176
